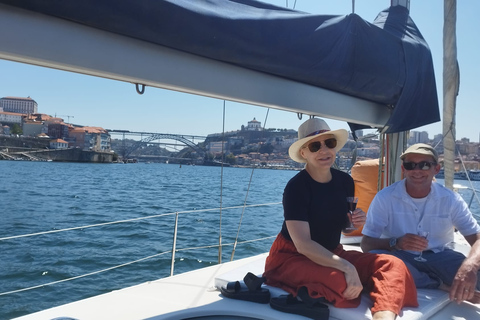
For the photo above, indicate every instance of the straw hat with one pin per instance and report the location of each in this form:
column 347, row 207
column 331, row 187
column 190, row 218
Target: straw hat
column 311, row 129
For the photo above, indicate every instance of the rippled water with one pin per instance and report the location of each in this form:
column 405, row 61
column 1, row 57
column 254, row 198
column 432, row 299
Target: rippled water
column 40, row 196
column 47, row 196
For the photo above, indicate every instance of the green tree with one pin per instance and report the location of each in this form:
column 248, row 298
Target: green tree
column 16, row 129
column 230, row 158
column 208, row 156
column 266, row 148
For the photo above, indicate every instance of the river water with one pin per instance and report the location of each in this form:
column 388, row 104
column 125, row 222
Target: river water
column 45, row 197
column 39, row 197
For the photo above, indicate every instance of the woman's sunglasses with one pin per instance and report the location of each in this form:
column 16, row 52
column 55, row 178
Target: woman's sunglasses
column 422, row 165
column 317, row 145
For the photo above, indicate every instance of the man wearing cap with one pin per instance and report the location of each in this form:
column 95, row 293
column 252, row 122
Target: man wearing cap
column 417, row 215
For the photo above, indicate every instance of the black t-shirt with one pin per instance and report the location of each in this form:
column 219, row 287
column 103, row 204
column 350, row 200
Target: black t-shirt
column 323, row 205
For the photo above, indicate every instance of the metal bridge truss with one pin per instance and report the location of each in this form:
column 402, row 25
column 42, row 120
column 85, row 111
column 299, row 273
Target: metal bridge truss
column 159, row 136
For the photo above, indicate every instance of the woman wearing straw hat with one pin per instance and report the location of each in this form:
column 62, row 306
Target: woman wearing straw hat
column 307, row 252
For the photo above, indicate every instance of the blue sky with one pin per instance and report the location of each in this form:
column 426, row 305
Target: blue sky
column 116, row 105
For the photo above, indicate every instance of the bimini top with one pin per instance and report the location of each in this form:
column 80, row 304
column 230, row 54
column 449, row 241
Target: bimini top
column 387, row 61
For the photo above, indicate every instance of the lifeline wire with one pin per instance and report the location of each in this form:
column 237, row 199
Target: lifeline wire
column 135, row 261
column 119, row 266
column 131, row 220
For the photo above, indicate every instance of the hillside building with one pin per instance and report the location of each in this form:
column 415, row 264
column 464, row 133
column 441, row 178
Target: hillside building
column 11, row 118
column 18, row 105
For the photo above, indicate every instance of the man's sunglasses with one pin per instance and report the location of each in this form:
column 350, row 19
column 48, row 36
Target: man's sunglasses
column 422, row 165
column 317, row 145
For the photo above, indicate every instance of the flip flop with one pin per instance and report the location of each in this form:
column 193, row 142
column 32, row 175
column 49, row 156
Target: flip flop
column 311, row 308
column 254, row 292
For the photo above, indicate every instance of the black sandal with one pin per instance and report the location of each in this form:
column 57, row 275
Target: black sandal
column 309, row 307
column 254, row 292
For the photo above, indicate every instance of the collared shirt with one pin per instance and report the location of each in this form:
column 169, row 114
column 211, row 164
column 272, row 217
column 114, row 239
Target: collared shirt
column 393, row 213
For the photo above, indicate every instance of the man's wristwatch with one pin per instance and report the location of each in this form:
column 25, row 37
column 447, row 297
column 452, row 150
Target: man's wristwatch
column 392, row 243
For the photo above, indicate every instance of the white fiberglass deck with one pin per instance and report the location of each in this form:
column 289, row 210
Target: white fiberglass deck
column 193, row 295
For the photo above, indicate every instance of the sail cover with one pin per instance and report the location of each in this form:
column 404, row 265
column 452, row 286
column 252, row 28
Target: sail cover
column 387, row 61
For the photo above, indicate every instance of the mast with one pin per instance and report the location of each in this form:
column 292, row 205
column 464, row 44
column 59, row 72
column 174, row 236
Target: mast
column 451, row 83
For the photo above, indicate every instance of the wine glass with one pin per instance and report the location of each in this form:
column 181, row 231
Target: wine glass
column 423, row 234
column 352, row 205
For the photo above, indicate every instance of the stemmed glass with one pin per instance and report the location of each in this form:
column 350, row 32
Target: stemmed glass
column 425, row 235
column 352, row 205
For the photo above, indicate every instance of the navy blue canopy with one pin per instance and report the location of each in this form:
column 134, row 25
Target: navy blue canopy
column 386, row 61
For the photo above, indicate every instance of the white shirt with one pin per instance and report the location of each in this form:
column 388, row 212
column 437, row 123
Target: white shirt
column 393, row 213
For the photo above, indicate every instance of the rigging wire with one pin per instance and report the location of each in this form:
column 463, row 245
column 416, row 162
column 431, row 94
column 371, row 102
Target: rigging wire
column 246, row 197
column 381, row 163
column 241, row 217
column 294, row 4
column 221, row 190
column 467, row 175
column 451, row 131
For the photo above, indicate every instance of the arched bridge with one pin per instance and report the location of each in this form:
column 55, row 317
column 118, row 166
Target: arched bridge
column 146, row 137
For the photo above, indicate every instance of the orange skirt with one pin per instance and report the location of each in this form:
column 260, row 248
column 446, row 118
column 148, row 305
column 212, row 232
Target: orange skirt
column 385, row 277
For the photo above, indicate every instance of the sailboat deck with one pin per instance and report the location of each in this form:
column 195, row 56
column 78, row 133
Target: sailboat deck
column 193, row 295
